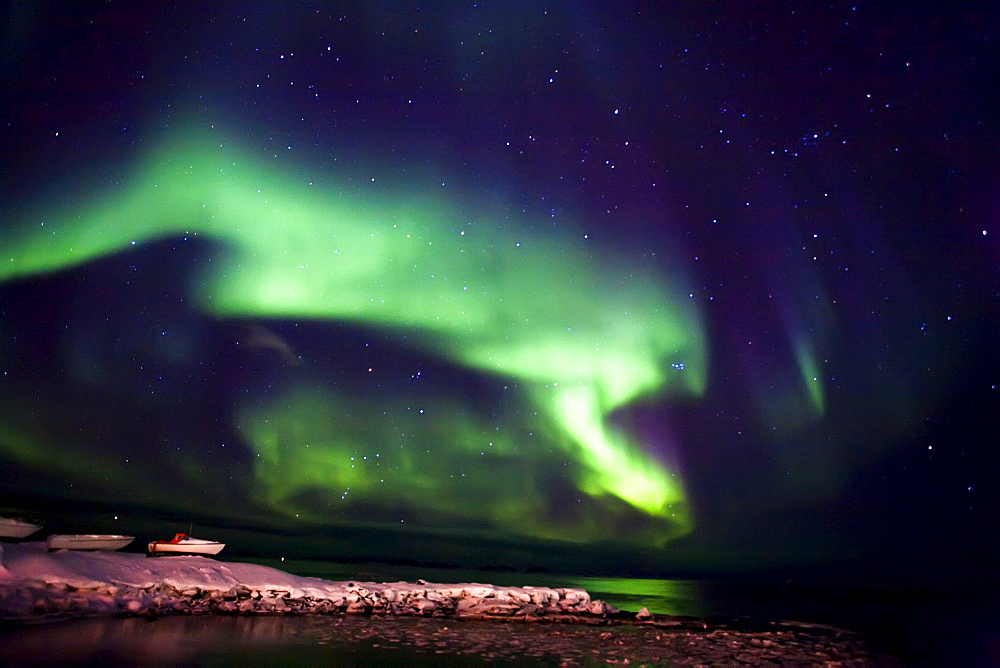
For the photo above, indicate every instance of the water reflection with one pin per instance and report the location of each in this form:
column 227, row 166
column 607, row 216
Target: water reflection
column 327, row 640
column 146, row 641
column 667, row 597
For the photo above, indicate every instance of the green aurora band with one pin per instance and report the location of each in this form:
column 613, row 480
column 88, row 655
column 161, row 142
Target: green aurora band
column 579, row 338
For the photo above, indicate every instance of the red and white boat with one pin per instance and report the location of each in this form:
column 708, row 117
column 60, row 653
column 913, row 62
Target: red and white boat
column 182, row 543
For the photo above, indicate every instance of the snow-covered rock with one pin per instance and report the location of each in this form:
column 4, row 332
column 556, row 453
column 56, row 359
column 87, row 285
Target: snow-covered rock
column 36, row 582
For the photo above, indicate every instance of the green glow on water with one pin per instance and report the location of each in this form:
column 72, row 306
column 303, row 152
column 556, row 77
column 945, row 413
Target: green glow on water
column 579, row 337
column 663, row 597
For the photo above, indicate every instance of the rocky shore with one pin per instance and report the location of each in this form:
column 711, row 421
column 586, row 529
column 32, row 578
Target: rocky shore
column 36, row 583
column 554, row 624
column 27, row 599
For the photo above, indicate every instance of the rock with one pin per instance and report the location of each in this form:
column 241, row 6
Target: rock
column 478, row 591
column 571, row 597
column 104, row 600
column 237, row 591
column 598, row 608
column 358, row 607
column 465, row 606
column 542, row 595
column 520, row 595
column 497, row 608
column 424, row 606
column 59, row 605
column 643, row 614
column 166, row 589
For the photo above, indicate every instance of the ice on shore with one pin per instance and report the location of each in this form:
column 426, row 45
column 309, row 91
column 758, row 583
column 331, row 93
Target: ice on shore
column 36, row 582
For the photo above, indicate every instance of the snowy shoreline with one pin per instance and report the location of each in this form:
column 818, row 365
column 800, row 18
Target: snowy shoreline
column 40, row 586
column 36, row 584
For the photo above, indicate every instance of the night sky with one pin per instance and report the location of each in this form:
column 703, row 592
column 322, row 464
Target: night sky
column 650, row 287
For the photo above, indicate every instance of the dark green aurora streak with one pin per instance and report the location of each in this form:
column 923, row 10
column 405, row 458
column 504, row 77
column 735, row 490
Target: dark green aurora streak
column 575, row 337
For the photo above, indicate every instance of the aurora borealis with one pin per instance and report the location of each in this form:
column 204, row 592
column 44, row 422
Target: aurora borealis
column 577, row 345
column 575, row 276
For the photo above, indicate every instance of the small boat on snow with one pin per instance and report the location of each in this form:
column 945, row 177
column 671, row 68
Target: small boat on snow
column 87, row 541
column 14, row 528
column 182, row 543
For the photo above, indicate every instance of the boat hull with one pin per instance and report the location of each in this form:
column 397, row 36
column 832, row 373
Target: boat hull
column 102, row 542
column 11, row 528
column 159, row 549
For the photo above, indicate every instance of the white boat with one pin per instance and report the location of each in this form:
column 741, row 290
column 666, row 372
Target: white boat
column 12, row 528
column 87, row 541
column 184, row 544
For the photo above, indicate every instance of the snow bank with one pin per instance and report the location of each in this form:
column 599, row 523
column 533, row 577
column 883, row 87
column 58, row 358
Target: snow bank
column 36, row 582
column 31, row 562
